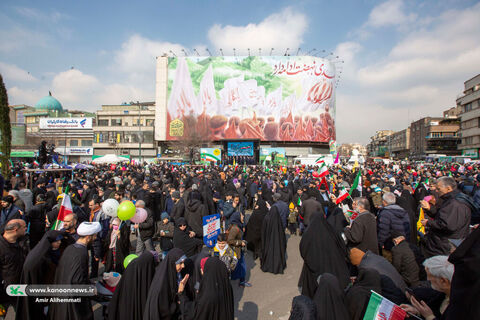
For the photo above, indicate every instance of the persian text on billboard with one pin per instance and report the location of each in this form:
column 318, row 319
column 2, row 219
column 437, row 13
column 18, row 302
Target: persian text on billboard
column 265, row 98
column 65, row 123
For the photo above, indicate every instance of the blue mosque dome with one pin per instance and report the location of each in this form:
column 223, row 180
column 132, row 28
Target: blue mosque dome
column 49, row 103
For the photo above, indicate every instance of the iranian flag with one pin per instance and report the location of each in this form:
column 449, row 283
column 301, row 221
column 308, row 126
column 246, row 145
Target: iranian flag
column 320, row 160
column 323, row 170
column 380, row 308
column 352, row 214
column 342, row 196
column 65, row 209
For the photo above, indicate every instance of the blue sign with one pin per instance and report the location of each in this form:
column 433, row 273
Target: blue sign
column 240, row 148
column 211, row 229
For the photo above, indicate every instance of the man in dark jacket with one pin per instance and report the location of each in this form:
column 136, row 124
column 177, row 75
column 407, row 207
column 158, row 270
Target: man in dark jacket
column 391, row 218
column 362, row 232
column 97, row 215
column 9, row 212
column 12, row 257
column 403, row 259
column 451, row 220
column 36, row 217
column 309, row 208
column 145, row 230
column 178, row 209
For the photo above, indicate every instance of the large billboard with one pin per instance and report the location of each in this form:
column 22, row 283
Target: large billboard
column 269, row 98
column 65, row 123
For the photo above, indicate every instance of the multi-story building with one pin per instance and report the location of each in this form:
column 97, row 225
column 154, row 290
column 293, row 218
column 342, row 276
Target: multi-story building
column 126, row 130
column 470, row 118
column 346, row 149
column 49, row 122
column 399, row 144
column 435, row 135
column 378, row 146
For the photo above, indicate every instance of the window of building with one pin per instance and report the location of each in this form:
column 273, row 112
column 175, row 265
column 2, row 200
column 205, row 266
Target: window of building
column 60, row 143
column 86, row 143
column 117, row 122
column 74, row 143
column 468, row 140
column 150, row 122
column 467, row 107
column 103, row 123
column 148, row 137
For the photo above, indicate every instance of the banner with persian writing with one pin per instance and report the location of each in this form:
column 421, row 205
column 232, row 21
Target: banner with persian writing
column 269, row 98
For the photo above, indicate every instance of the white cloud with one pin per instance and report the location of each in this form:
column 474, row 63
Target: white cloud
column 422, row 75
column 75, row 88
column 280, row 30
column 11, row 72
column 137, row 54
column 35, row 14
column 389, row 13
column 19, row 38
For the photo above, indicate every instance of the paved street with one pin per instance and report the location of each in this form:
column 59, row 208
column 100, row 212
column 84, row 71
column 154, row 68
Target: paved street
column 269, row 293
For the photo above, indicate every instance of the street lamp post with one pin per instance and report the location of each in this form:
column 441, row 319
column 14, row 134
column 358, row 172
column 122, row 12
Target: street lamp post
column 139, row 135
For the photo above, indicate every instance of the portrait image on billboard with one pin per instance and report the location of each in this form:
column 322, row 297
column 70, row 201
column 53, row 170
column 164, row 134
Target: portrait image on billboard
column 267, row 98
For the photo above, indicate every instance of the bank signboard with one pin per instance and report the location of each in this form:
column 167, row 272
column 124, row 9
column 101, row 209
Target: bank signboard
column 65, row 123
column 75, row 151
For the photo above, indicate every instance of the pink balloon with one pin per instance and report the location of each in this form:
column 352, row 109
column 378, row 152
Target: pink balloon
column 140, row 216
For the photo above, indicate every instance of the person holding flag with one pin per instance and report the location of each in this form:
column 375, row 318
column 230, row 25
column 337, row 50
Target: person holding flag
column 362, row 232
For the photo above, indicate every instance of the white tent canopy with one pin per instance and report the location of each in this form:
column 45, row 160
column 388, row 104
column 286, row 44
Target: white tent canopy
column 109, row 158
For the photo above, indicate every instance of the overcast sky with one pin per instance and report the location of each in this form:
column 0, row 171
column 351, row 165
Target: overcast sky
column 403, row 59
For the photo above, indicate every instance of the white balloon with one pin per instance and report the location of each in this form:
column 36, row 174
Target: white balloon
column 110, row 207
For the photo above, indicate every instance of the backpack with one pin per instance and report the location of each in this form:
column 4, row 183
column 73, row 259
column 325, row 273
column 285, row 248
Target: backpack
column 474, row 207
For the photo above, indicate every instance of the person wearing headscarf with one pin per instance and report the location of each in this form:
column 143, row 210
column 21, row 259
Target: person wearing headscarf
column 274, row 243
column 215, row 296
column 329, row 299
column 39, row 268
column 130, row 296
column 303, row 308
column 322, row 251
column 117, row 245
column 162, row 300
column 358, row 296
column 253, row 230
column 184, row 239
column 465, row 286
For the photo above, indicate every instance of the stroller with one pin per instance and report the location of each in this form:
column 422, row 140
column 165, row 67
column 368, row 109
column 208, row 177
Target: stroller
column 105, row 289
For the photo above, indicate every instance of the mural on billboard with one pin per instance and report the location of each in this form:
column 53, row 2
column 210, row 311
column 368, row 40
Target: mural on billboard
column 258, row 97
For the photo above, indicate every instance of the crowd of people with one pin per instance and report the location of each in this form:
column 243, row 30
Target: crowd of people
column 407, row 231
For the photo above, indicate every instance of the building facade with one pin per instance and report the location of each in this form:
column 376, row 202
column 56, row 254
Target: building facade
column 74, row 143
column 378, row 146
column 435, row 136
column 126, row 130
column 345, row 150
column 399, row 144
column 469, row 104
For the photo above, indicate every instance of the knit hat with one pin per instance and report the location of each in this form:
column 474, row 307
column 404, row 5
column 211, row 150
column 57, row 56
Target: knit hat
column 164, row 215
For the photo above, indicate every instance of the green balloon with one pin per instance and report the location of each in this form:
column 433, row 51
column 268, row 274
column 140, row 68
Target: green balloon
column 126, row 210
column 129, row 259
